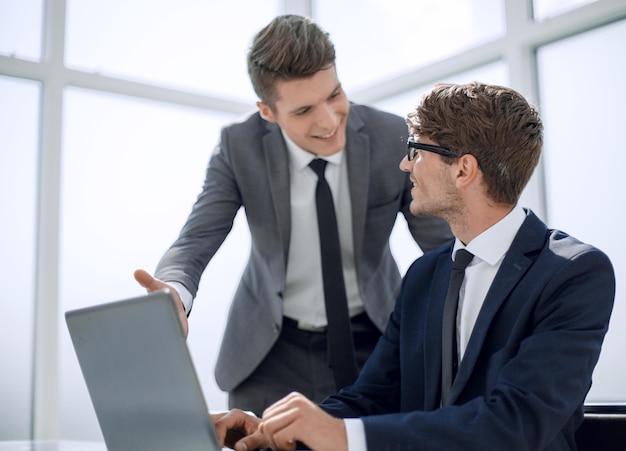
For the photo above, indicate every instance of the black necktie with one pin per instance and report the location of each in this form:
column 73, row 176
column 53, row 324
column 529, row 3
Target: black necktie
column 339, row 332
column 449, row 354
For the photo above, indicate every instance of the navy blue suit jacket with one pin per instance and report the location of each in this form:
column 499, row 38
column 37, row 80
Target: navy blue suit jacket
column 528, row 365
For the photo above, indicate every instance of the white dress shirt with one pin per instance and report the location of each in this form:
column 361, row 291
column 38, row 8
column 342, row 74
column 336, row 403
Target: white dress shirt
column 303, row 297
column 489, row 249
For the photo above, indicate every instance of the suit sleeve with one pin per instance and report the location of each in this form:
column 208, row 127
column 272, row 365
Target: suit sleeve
column 532, row 388
column 208, row 224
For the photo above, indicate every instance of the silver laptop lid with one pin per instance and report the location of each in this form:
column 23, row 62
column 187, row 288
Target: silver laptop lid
column 140, row 375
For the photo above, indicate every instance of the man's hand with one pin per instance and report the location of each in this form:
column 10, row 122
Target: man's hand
column 151, row 284
column 238, row 430
column 295, row 418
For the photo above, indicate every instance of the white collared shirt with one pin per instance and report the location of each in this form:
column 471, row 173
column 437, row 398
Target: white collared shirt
column 489, row 249
column 303, row 298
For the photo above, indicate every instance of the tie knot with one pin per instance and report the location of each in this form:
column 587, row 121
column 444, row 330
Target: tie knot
column 318, row 165
column 462, row 258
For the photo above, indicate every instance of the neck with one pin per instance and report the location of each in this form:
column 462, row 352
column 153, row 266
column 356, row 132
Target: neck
column 473, row 221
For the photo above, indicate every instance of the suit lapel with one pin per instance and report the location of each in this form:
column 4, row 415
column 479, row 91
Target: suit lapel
column 358, row 161
column 529, row 239
column 277, row 169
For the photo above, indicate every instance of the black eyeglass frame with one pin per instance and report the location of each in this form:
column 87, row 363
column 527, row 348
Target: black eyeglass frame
column 412, row 146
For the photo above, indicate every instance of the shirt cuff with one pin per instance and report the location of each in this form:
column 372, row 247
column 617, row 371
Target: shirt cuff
column 183, row 293
column 355, row 432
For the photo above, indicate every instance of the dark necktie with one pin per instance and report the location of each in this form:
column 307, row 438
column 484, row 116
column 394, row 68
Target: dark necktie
column 449, row 353
column 339, row 332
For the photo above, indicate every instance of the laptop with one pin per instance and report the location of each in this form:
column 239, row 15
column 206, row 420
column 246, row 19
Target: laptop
column 140, row 376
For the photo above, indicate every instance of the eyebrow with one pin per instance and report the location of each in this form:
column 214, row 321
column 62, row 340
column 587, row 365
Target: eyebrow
column 303, row 107
column 337, row 88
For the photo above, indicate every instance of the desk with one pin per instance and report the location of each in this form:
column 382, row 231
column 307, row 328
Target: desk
column 603, row 429
column 53, row 445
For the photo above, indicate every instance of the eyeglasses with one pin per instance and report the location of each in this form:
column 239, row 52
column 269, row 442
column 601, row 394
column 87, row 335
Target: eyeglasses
column 413, row 146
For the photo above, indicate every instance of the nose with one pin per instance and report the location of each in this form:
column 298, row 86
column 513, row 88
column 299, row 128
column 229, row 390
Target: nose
column 406, row 165
column 326, row 117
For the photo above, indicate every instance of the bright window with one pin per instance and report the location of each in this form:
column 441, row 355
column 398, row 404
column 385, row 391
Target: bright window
column 196, row 45
column 19, row 127
column 545, row 9
column 131, row 172
column 21, row 28
column 377, row 39
column 582, row 105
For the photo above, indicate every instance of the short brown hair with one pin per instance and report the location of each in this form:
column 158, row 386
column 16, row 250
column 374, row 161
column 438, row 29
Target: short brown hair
column 288, row 48
column 493, row 123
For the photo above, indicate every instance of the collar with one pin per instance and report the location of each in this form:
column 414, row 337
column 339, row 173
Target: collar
column 300, row 158
column 491, row 245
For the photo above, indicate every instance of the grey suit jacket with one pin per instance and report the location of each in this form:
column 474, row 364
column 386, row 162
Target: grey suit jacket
column 250, row 168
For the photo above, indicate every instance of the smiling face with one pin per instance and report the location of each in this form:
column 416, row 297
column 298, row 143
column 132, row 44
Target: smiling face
column 313, row 111
column 434, row 191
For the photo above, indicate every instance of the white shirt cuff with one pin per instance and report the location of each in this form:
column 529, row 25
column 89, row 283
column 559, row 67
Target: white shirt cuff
column 185, row 295
column 355, row 431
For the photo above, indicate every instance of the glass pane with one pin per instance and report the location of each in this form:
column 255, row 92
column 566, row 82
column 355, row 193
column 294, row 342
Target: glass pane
column 376, row 39
column 195, row 45
column 403, row 247
column 495, row 73
column 131, row 171
column 19, row 129
column 584, row 157
column 544, row 9
column 21, row 28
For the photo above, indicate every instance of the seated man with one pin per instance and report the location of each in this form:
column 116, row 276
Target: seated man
column 532, row 312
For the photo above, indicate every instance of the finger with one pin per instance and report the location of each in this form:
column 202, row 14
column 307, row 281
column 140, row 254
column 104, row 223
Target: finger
column 217, row 416
column 281, row 428
column 223, row 427
column 146, row 280
column 280, row 415
column 277, row 421
column 151, row 284
column 233, row 425
column 282, row 438
column 251, row 442
column 282, row 404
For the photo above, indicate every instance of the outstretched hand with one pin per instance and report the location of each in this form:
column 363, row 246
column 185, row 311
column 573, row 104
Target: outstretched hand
column 151, row 284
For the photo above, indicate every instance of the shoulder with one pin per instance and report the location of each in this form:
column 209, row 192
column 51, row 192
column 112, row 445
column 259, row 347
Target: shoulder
column 534, row 238
column 424, row 268
column 565, row 250
column 251, row 122
column 369, row 115
column 383, row 132
column 247, row 134
column 558, row 259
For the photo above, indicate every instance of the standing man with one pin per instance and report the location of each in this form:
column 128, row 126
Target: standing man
column 276, row 339
column 513, row 367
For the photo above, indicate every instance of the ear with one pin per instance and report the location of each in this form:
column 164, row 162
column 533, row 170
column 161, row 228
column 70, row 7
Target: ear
column 266, row 112
column 467, row 170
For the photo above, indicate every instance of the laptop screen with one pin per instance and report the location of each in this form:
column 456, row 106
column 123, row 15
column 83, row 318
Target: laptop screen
column 140, row 375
